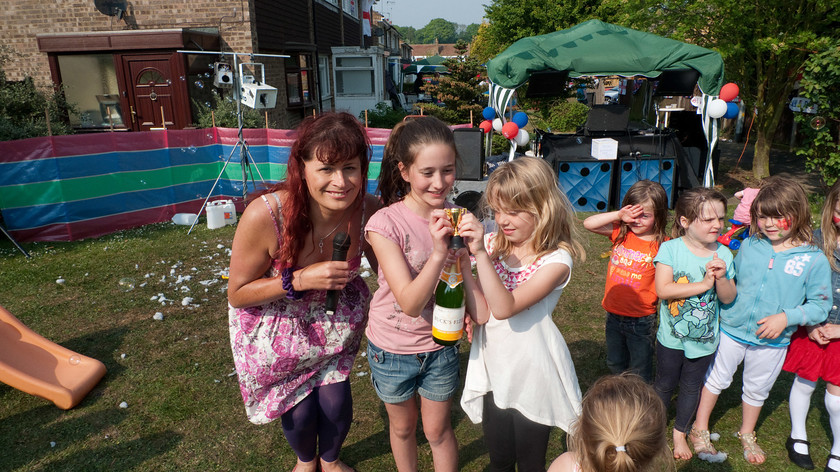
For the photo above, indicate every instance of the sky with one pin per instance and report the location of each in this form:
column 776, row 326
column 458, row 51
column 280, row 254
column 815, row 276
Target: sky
column 418, row 13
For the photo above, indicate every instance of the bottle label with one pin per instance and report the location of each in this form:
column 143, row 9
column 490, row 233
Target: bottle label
column 448, row 323
column 451, row 277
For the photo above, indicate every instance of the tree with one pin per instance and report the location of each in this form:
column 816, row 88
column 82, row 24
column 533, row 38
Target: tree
column 821, row 130
column 408, row 33
column 440, row 29
column 459, row 90
column 511, row 20
column 764, row 45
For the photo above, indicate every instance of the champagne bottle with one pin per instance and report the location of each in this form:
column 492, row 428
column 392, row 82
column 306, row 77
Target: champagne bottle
column 448, row 314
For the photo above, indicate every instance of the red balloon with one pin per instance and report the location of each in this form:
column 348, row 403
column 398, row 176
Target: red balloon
column 486, row 126
column 729, row 91
column 510, row 130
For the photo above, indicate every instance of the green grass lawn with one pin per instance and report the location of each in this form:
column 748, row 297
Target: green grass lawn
column 176, row 375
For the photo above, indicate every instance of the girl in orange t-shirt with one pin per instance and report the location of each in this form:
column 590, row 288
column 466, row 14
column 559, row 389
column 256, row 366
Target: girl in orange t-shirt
column 636, row 231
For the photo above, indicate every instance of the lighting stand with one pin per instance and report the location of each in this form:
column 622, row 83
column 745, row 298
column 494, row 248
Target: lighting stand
column 245, row 158
column 6, row 233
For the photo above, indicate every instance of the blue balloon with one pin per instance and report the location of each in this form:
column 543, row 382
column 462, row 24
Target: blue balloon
column 520, row 118
column 732, row 110
column 488, row 113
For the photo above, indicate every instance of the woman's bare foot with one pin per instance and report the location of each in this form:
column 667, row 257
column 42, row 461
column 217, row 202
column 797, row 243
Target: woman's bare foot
column 311, row 466
column 681, row 449
column 336, row 466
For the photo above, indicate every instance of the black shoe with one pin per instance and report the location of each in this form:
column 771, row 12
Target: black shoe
column 829, row 469
column 801, row 460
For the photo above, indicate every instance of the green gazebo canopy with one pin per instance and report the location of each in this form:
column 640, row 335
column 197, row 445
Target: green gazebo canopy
column 595, row 48
column 427, row 65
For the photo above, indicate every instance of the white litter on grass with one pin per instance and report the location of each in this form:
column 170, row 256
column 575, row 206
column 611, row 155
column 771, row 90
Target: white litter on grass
column 364, row 354
column 712, row 458
column 59, row 281
column 361, row 374
column 365, row 274
column 364, row 264
column 143, row 284
column 158, row 316
column 123, row 405
column 232, row 374
column 52, row 443
column 184, row 288
column 714, row 436
column 220, row 246
column 217, row 381
column 147, row 276
column 186, row 301
column 122, row 356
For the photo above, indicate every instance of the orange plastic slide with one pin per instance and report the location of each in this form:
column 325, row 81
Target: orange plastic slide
column 38, row 366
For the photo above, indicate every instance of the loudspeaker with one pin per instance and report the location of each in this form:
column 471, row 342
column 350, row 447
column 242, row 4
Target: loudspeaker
column 469, row 142
column 588, row 184
column 632, row 170
column 678, row 82
column 547, row 83
column 607, row 120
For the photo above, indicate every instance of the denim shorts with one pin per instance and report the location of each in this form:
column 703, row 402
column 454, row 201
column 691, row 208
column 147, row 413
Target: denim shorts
column 397, row 377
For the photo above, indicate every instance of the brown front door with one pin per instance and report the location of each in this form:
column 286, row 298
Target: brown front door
column 156, row 96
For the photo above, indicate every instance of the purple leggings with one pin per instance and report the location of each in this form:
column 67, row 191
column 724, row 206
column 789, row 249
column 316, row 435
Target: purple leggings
column 321, row 420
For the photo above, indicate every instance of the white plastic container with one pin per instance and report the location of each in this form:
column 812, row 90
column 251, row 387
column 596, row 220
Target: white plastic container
column 220, row 213
column 184, row 218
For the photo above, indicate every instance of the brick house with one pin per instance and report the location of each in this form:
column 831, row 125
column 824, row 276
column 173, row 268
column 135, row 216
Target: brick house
column 119, row 63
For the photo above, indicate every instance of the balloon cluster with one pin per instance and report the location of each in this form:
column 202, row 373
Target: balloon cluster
column 723, row 106
column 511, row 130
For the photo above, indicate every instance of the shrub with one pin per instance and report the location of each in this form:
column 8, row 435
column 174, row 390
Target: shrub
column 225, row 113
column 383, row 116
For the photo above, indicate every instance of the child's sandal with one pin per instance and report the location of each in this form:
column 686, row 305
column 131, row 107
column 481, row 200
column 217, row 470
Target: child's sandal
column 701, row 441
column 751, row 448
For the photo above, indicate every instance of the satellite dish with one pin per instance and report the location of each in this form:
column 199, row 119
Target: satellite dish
column 111, row 7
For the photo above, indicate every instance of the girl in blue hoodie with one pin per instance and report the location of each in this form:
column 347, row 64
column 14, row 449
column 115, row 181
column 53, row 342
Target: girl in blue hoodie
column 784, row 281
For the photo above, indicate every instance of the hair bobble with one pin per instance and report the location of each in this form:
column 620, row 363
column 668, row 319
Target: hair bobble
column 620, row 449
column 292, row 294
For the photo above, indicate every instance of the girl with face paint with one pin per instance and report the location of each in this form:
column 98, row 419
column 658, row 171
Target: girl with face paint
column 784, row 282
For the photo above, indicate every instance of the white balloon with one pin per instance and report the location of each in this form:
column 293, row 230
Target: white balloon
column 497, row 124
column 716, row 108
column 522, row 138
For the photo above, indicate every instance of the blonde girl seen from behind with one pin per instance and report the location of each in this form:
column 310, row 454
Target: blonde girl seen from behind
column 621, row 428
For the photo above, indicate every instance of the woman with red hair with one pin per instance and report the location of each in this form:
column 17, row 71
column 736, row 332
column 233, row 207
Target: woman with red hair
column 293, row 356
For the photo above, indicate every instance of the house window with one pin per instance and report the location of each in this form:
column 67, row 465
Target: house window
column 324, row 77
column 90, row 84
column 350, row 7
column 299, row 84
column 330, row 2
column 354, row 75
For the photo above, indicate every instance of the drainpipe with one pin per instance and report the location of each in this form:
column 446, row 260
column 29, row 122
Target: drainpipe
column 317, row 67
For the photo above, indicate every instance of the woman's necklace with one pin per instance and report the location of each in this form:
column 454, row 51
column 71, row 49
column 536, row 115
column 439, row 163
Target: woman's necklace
column 321, row 240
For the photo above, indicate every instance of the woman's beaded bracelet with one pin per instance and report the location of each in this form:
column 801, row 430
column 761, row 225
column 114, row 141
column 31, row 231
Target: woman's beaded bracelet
column 286, row 276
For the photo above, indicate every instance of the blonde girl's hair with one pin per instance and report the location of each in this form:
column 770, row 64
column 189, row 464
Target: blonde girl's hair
column 691, row 204
column 828, row 228
column 404, row 143
column 621, row 411
column 528, row 184
column 782, row 197
column 640, row 193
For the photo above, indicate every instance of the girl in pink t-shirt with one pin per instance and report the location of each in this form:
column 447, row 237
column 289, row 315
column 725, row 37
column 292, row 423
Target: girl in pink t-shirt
column 410, row 236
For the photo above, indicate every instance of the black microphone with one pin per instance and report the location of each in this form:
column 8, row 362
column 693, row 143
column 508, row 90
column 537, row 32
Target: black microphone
column 341, row 243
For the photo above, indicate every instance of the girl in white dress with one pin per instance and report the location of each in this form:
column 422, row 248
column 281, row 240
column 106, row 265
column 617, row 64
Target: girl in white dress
column 520, row 378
